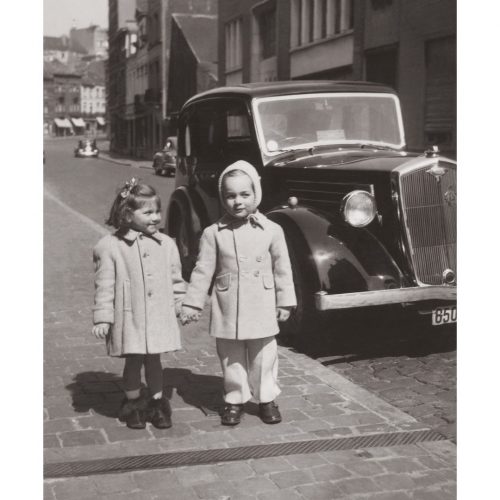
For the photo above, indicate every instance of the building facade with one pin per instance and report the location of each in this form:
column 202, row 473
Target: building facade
column 93, row 104
column 193, row 60
column 411, row 46
column 285, row 39
column 407, row 44
column 62, row 114
column 93, row 39
column 121, row 23
column 62, row 49
column 139, row 52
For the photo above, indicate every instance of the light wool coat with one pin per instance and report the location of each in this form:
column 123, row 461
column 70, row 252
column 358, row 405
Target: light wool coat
column 138, row 288
column 253, row 276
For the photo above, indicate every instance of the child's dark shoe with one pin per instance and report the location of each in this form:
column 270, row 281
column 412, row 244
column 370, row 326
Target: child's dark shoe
column 133, row 412
column 269, row 413
column 159, row 413
column 231, row 414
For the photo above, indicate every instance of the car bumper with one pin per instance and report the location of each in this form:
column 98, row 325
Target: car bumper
column 326, row 302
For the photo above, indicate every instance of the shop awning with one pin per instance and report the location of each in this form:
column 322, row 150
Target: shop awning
column 62, row 122
column 100, row 121
column 78, row 122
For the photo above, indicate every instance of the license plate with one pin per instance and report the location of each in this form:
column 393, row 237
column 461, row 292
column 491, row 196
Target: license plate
column 444, row 315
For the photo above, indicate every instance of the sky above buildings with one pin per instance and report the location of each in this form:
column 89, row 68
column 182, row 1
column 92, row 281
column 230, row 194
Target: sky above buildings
column 59, row 16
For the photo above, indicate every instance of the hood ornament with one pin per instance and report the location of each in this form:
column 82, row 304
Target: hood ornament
column 437, row 172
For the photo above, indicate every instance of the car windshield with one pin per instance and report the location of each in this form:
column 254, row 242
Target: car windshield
column 303, row 121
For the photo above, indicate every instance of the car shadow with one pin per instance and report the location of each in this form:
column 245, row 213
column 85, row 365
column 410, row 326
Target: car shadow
column 354, row 335
column 102, row 392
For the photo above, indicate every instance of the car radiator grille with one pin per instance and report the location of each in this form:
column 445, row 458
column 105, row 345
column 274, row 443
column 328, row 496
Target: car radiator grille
column 429, row 209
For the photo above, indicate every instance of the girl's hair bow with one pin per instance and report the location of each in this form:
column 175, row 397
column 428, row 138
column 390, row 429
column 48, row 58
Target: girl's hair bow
column 128, row 187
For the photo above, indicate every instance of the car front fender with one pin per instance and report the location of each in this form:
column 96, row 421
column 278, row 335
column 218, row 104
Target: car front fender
column 340, row 258
column 189, row 204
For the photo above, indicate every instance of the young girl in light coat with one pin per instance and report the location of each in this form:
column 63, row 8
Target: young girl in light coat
column 138, row 283
column 246, row 255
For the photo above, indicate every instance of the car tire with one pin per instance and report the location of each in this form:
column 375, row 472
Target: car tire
column 180, row 229
column 155, row 167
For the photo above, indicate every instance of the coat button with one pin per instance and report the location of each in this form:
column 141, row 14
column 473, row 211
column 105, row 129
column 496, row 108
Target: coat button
column 259, row 258
column 145, row 254
column 150, row 293
column 140, row 236
column 256, row 273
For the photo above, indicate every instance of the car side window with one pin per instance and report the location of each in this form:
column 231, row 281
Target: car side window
column 219, row 132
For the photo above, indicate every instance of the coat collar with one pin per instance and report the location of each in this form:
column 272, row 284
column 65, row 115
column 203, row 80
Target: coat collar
column 130, row 235
column 256, row 219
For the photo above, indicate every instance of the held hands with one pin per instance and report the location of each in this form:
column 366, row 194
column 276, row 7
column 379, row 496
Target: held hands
column 189, row 314
column 101, row 330
column 283, row 313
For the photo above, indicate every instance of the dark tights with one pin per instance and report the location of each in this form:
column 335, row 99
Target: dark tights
column 152, row 368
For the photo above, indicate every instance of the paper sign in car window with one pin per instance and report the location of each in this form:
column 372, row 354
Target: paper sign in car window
column 330, row 135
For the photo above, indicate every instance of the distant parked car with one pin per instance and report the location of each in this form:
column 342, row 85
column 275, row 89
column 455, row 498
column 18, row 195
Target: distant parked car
column 87, row 148
column 164, row 160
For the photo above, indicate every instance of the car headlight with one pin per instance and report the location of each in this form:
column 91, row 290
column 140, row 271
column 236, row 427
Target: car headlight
column 359, row 208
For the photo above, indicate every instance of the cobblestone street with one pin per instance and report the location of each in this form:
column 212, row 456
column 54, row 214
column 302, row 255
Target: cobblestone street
column 82, row 390
column 408, row 364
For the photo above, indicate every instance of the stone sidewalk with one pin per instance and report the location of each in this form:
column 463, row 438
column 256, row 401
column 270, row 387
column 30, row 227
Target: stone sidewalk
column 83, row 390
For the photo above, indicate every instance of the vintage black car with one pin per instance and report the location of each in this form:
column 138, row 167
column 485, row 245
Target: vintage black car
column 367, row 222
column 87, row 148
column 164, row 161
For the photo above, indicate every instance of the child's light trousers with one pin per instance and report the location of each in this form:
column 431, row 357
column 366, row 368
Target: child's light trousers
column 250, row 368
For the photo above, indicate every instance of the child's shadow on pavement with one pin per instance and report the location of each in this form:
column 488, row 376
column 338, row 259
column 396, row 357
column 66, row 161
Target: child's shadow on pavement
column 201, row 391
column 102, row 392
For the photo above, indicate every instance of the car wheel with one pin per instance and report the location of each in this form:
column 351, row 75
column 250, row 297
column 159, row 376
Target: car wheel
column 184, row 238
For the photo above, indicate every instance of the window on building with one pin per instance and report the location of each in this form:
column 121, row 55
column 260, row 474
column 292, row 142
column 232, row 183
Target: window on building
column 441, row 93
column 60, row 100
column 323, row 16
column 75, row 100
column 337, row 14
column 382, row 66
column 313, row 20
column 380, row 4
column 310, row 28
column 350, row 14
column 156, row 27
column 233, row 44
column 267, row 32
column 157, row 73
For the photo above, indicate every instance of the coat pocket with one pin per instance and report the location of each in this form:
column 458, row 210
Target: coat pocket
column 223, row 282
column 127, row 301
column 268, row 281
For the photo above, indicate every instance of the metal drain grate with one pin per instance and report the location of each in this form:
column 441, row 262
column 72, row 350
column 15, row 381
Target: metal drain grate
column 178, row 459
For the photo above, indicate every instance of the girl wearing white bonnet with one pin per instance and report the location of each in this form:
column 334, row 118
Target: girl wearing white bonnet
column 246, row 256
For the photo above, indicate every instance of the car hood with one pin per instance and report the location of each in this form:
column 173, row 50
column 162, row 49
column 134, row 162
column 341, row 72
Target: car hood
column 346, row 159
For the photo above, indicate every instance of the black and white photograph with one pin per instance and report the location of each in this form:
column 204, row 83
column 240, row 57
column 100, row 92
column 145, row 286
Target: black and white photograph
column 245, row 242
